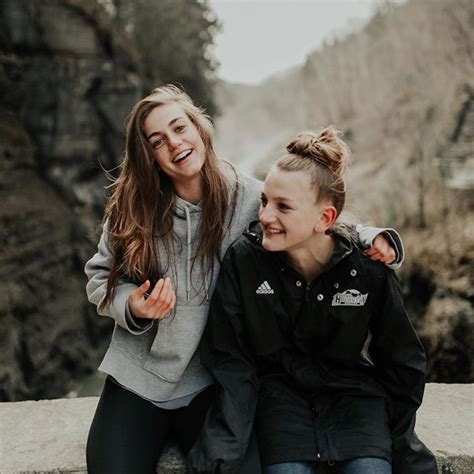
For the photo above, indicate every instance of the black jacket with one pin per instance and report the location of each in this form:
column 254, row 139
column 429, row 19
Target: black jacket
column 296, row 358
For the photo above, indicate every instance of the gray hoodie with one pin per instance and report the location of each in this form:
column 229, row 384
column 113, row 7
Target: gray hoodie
column 158, row 360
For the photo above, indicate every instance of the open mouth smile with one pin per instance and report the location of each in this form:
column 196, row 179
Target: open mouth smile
column 182, row 156
column 271, row 232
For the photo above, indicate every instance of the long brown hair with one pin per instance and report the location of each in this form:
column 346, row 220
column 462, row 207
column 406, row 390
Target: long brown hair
column 140, row 208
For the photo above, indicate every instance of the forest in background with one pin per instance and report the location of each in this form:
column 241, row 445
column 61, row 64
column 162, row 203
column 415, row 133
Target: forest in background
column 396, row 89
column 172, row 41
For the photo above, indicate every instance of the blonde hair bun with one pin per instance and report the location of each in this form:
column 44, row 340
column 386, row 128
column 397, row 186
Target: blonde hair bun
column 325, row 147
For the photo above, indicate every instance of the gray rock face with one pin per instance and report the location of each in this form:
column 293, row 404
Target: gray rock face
column 76, row 85
column 67, row 82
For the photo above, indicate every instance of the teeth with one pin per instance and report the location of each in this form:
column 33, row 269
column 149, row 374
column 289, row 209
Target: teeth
column 182, row 155
column 274, row 231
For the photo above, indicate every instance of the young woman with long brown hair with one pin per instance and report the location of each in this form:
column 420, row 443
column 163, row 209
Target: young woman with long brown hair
column 174, row 210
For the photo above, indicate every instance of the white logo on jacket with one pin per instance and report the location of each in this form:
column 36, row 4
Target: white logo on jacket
column 349, row 298
column 265, row 289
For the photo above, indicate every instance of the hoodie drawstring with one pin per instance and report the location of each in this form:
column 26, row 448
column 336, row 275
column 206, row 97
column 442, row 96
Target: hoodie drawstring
column 188, row 251
column 189, row 258
column 206, row 287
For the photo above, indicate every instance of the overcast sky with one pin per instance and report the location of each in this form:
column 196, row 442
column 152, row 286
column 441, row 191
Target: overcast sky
column 262, row 37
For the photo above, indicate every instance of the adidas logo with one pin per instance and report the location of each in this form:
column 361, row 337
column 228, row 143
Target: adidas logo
column 265, row 289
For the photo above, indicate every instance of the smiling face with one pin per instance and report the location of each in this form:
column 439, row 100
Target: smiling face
column 177, row 145
column 289, row 214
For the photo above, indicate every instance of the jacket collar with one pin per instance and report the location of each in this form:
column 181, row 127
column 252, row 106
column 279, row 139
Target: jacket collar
column 344, row 243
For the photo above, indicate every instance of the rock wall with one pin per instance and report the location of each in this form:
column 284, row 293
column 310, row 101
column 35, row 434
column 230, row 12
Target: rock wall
column 67, row 81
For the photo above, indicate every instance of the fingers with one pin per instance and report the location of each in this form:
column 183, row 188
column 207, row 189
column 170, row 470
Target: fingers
column 371, row 251
column 381, row 250
column 140, row 291
column 377, row 256
column 169, row 300
column 374, row 255
column 161, row 300
column 169, row 305
column 158, row 304
column 154, row 295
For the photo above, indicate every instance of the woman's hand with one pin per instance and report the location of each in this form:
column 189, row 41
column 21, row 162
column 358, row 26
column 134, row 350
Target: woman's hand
column 381, row 250
column 159, row 303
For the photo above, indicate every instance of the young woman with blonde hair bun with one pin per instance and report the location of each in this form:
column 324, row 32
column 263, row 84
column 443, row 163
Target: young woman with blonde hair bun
column 309, row 337
column 174, row 210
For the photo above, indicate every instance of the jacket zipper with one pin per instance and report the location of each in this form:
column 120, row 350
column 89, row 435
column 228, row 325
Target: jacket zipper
column 318, row 454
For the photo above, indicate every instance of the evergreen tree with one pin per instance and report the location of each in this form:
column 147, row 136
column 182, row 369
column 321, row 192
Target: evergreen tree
column 174, row 38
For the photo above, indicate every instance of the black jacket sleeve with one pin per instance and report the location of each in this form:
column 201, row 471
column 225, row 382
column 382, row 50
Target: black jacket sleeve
column 400, row 364
column 225, row 353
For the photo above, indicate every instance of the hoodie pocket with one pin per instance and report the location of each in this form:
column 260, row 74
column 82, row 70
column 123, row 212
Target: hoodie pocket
column 176, row 341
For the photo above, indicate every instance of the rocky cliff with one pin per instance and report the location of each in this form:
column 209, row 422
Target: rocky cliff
column 67, row 81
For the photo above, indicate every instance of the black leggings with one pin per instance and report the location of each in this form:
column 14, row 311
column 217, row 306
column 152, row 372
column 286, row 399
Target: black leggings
column 128, row 433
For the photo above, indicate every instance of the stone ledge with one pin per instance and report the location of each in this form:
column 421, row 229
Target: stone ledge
column 49, row 436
